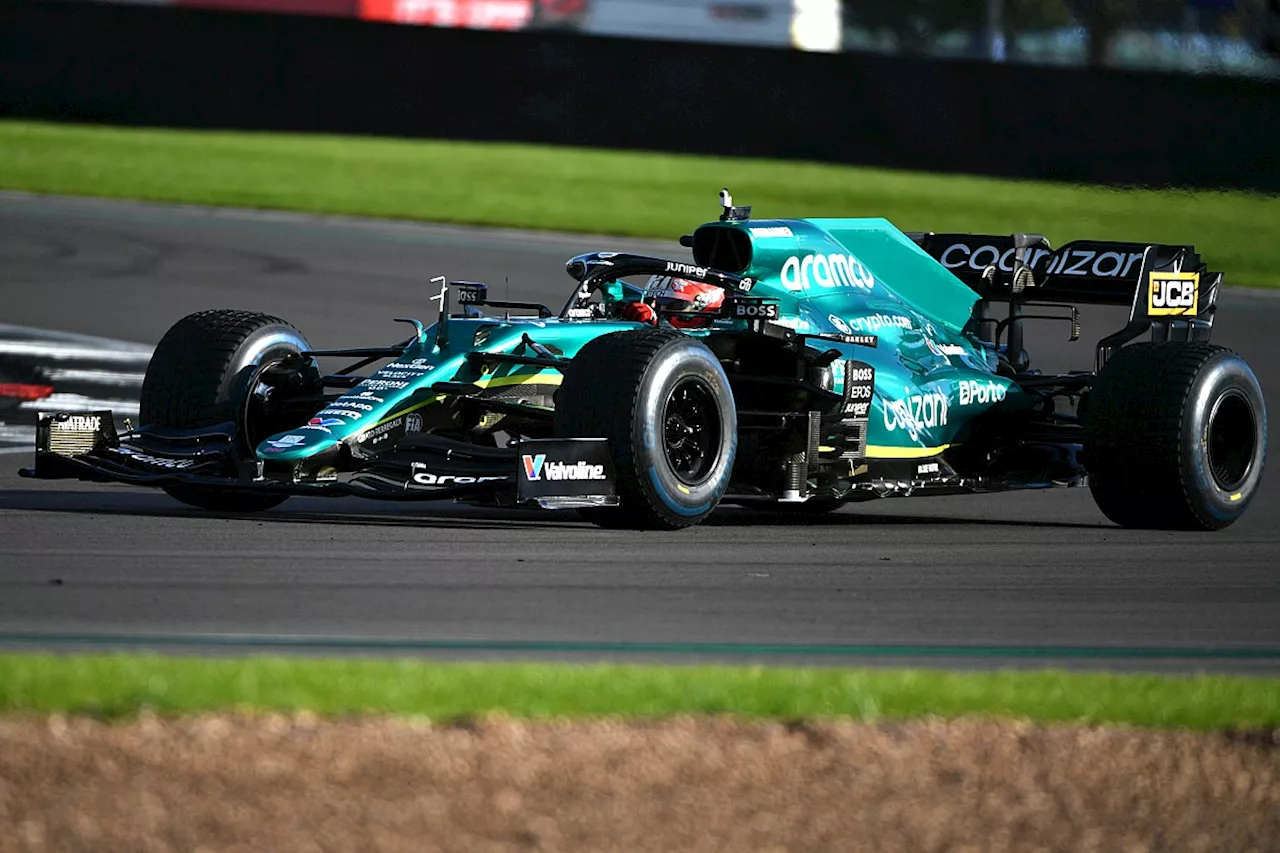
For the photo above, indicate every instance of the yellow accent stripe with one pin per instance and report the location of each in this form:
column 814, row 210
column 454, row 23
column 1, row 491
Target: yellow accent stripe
column 551, row 378
column 878, row 451
column 490, row 382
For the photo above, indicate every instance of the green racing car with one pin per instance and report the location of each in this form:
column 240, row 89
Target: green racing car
column 793, row 364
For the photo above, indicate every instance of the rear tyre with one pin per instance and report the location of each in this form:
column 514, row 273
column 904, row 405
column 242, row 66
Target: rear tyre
column 200, row 375
column 1175, row 436
column 664, row 403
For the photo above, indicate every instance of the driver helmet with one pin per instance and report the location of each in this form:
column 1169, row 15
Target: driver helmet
column 685, row 304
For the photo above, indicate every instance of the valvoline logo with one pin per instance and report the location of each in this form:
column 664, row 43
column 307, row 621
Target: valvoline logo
column 533, row 465
column 534, row 468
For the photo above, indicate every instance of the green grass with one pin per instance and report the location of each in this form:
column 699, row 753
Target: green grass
column 625, row 193
column 121, row 685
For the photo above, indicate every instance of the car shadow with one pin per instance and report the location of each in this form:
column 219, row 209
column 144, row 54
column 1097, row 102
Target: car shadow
column 735, row 517
column 135, row 505
column 438, row 514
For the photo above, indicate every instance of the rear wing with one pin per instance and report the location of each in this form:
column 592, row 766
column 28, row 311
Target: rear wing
column 1167, row 288
column 1082, row 271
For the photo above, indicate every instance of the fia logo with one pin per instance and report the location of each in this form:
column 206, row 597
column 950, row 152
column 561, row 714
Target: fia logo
column 533, row 466
column 1173, row 293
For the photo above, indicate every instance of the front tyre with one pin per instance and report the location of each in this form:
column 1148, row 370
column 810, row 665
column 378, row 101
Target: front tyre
column 1175, row 436
column 664, row 403
column 200, row 375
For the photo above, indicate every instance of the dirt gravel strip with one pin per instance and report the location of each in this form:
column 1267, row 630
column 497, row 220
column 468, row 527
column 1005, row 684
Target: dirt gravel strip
column 253, row 783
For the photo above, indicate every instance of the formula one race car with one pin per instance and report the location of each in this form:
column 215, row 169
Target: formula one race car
column 794, row 364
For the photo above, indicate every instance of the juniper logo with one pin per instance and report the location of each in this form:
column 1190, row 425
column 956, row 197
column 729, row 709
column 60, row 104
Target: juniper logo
column 686, row 269
column 533, row 465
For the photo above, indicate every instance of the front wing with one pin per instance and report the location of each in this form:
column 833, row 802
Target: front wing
column 551, row 473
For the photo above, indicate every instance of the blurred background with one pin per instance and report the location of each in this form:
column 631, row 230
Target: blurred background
column 1197, row 36
column 1153, row 93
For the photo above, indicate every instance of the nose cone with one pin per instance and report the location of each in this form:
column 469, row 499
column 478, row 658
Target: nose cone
column 300, row 443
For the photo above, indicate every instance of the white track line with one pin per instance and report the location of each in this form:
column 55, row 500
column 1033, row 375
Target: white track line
column 69, row 352
column 97, row 377
column 30, row 333
column 79, row 403
column 16, row 432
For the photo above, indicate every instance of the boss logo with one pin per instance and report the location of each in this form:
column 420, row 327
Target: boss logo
column 1173, row 293
column 768, row 312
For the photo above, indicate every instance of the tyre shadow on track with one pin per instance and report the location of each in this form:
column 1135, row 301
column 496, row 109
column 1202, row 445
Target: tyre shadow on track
column 470, row 518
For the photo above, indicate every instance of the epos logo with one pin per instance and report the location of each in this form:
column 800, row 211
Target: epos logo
column 1173, row 293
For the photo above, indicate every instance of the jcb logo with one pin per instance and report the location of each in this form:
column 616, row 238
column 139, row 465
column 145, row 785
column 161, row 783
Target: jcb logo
column 1174, row 293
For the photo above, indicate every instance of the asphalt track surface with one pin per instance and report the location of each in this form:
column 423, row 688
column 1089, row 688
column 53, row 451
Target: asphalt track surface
column 1019, row 579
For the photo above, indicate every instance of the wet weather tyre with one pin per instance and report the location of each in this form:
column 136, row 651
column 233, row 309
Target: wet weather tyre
column 663, row 401
column 1175, row 436
column 199, row 376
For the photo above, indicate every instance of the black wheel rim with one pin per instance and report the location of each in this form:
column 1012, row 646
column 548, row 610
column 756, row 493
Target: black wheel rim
column 257, row 425
column 691, row 430
column 255, row 429
column 1232, row 440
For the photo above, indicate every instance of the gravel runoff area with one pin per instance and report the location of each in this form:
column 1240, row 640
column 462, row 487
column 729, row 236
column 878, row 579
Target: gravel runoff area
column 241, row 783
